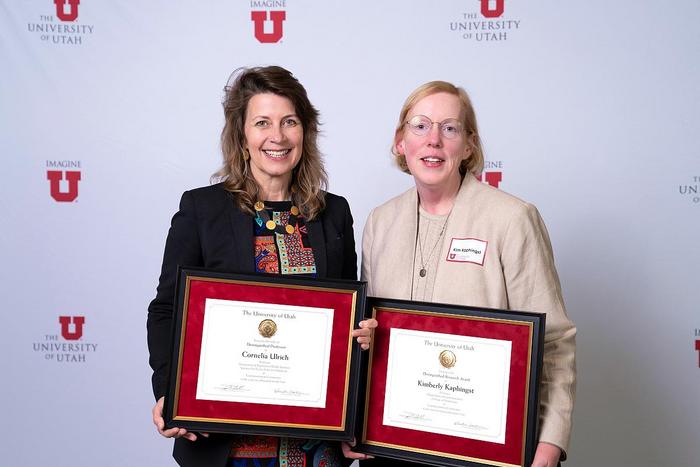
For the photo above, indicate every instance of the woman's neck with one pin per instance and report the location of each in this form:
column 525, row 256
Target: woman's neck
column 438, row 200
column 274, row 188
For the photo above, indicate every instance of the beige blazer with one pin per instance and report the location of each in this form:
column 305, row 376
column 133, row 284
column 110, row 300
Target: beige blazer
column 518, row 273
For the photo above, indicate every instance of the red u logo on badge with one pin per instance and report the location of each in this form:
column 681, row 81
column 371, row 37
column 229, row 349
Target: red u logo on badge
column 495, row 12
column 277, row 18
column 77, row 322
column 55, row 177
column 61, row 9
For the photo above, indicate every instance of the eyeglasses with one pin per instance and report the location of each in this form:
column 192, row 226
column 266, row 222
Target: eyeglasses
column 420, row 125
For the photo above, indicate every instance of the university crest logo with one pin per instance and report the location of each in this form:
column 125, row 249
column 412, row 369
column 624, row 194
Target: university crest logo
column 55, row 177
column 276, row 17
column 77, row 323
column 492, row 178
column 67, row 10
column 492, row 8
column 69, row 346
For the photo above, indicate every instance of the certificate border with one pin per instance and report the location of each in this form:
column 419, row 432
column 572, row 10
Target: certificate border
column 343, row 431
column 535, row 324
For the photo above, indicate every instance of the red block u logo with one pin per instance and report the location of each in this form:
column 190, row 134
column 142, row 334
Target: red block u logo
column 277, row 18
column 492, row 178
column 55, row 176
column 489, row 12
column 77, row 322
column 61, row 9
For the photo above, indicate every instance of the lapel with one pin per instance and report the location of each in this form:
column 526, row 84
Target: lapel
column 460, row 210
column 242, row 229
column 455, row 228
column 317, row 239
column 405, row 226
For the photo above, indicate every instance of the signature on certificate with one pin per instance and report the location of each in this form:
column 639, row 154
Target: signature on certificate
column 233, row 388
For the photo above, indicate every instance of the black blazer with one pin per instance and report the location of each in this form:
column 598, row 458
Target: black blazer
column 210, row 231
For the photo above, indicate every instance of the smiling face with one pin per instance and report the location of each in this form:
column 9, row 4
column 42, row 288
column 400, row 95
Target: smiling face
column 274, row 137
column 433, row 159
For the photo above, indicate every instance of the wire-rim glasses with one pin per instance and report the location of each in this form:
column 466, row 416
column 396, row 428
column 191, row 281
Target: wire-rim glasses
column 420, row 125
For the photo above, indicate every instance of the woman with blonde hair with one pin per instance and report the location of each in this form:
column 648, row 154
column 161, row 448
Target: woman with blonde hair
column 452, row 239
column 269, row 214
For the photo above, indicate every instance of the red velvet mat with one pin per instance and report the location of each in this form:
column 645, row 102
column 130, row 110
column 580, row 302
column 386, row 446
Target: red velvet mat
column 519, row 334
column 331, row 416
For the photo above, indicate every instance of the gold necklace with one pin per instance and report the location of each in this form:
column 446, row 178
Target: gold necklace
column 263, row 215
column 423, row 272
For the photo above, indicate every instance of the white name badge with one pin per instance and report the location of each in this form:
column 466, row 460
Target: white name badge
column 467, row 250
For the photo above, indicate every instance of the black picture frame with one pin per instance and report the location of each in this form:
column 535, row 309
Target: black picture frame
column 410, row 451
column 227, row 284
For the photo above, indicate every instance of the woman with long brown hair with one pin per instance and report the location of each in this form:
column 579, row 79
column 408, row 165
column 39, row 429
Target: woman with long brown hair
column 268, row 214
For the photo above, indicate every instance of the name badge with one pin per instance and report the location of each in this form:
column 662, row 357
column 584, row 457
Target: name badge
column 467, row 250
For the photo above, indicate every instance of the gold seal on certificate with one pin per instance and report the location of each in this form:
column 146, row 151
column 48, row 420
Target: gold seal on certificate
column 267, row 328
column 447, row 358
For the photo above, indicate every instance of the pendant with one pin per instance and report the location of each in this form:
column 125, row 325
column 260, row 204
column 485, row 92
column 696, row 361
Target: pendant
column 289, row 229
column 270, row 224
column 422, row 272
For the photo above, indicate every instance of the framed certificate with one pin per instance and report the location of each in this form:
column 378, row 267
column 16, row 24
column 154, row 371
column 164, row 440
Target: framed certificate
column 452, row 386
column 261, row 354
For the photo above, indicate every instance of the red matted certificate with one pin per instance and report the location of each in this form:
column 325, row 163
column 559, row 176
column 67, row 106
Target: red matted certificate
column 262, row 354
column 268, row 363
column 452, row 386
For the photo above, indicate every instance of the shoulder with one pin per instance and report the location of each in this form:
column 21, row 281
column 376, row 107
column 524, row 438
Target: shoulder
column 209, row 192
column 493, row 202
column 402, row 203
column 335, row 200
column 207, row 200
column 335, row 205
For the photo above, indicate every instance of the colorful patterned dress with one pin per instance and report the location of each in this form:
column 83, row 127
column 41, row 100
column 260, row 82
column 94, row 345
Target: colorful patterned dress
column 282, row 253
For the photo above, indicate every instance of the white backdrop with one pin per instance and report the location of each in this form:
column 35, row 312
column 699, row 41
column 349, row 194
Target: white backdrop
column 589, row 109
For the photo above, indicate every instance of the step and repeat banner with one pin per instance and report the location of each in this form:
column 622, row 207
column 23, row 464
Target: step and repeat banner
column 109, row 110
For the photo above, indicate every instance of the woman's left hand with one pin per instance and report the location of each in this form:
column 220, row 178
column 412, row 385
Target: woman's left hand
column 349, row 453
column 364, row 332
column 547, row 455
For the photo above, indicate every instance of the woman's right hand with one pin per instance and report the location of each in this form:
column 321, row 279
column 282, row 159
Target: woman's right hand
column 350, row 454
column 172, row 432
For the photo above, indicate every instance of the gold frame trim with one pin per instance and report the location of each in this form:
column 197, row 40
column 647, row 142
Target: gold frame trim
column 528, row 324
column 185, row 311
column 442, row 454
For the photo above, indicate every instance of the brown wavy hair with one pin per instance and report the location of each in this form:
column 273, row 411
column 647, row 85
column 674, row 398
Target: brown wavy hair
column 475, row 162
column 309, row 178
